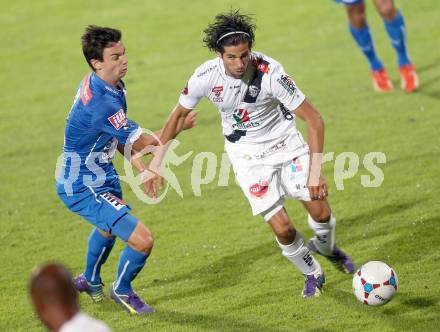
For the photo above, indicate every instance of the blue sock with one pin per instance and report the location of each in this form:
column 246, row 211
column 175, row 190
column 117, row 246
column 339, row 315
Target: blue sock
column 98, row 251
column 130, row 263
column 365, row 42
column 397, row 33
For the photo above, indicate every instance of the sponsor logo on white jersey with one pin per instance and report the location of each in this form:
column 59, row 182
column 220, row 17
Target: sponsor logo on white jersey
column 287, row 83
column 217, row 90
column 242, row 120
column 206, row 71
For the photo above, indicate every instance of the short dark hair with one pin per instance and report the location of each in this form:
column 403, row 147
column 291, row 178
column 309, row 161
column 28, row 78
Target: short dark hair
column 53, row 282
column 230, row 22
column 95, row 39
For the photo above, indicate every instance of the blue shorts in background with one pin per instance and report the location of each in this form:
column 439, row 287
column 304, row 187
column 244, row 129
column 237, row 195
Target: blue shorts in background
column 349, row 2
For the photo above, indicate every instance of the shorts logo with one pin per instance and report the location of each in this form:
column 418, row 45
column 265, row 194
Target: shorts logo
column 118, row 120
column 259, row 189
column 287, row 83
column 114, row 201
column 253, row 91
column 217, row 90
column 296, row 165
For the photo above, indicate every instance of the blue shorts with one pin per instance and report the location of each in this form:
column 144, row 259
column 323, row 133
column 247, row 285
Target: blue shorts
column 350, row 2
column 103, row 208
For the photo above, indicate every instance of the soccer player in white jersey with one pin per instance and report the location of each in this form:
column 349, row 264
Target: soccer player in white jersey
column 258, row 103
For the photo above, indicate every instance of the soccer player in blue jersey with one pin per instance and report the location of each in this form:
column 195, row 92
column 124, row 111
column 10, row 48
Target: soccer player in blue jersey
column 88, row 183
column 395, row 27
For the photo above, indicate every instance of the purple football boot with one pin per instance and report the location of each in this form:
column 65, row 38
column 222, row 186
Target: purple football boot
column 130, row 302
column 94, row 291
column 313, row 285
column 339, row 258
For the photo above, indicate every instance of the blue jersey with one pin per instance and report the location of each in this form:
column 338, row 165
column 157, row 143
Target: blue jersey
column 96, row 124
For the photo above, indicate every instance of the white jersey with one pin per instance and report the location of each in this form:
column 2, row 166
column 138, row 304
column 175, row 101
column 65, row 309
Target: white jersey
column 269, row 156
column 253, row 109
column 82, row 322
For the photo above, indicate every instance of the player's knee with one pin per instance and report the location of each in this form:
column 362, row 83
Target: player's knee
column 142, row 239
column 146, row 242
column 285, row 233
column 282, row 227
column 357, row 16
column 386, row 10
column 321, row 215
column 358, row 21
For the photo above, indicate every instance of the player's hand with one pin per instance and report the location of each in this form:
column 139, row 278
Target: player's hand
column 190, row 120
column 319, row 191
column 152, row 181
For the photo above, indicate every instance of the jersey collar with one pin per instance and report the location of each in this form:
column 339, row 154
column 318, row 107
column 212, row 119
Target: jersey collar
column 103, row 85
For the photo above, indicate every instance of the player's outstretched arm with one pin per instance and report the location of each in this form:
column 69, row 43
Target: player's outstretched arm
column 175, row 123
column 315, row 138
column 145, row 141
column 179, row 119
column 145, row 144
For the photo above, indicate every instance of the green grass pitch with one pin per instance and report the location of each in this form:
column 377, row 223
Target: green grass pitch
column 215, row 267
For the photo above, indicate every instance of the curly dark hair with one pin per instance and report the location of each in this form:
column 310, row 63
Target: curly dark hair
column 233, row 21
column 95, row 39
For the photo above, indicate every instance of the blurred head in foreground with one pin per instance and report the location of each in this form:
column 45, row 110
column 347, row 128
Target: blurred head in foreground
column 53, row 295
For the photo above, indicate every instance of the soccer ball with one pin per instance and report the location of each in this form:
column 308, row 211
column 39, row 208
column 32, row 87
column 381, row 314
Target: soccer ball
column 374, row 283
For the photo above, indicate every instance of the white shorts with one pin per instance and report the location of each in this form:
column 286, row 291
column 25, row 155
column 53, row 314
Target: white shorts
column 265, row 185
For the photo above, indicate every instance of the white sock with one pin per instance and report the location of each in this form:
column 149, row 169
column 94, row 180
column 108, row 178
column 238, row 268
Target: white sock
column 324, row 239
column 299, row 255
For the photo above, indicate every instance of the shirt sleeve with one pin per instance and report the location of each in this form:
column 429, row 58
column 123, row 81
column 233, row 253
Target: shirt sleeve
column 192, row 92
column 110, row 118
column 285, row 90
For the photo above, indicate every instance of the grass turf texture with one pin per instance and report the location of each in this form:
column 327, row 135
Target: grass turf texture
column 214, row 267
